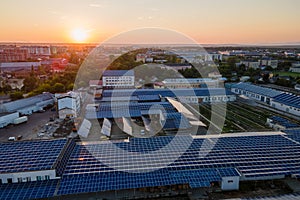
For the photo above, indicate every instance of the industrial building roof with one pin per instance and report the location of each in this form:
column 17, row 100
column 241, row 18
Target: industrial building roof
column 168, row 92
column 29, row 155
column 19, row 64
column 118, row 73
column 27, row 102
column 288, row 99
column 257, row 89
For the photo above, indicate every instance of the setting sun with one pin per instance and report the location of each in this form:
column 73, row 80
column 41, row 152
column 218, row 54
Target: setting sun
column 79, row 35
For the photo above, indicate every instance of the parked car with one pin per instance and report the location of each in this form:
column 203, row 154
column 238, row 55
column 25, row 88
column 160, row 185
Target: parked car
column 19, row 137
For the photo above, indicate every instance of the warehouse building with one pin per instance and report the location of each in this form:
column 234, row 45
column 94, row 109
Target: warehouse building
column 29, row 105
column 289, row 103
column 255, row 92
column 192, row 161
column 8, row 118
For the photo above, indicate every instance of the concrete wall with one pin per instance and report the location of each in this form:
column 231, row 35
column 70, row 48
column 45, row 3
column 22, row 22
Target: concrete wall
column 230, row 183
column 285, row 108
column 24, row 175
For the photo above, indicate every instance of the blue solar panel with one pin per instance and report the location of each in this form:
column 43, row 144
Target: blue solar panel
column 288, row 99
column 29, row 190
column 29, row 155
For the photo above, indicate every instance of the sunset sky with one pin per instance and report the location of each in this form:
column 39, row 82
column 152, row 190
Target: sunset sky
column 206, row 21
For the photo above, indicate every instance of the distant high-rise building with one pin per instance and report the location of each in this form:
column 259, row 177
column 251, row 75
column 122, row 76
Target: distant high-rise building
column 10, row 54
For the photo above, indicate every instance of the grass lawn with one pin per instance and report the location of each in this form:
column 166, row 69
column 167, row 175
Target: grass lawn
column 292, row 74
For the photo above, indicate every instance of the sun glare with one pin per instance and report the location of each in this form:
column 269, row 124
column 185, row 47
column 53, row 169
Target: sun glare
column 79, row 35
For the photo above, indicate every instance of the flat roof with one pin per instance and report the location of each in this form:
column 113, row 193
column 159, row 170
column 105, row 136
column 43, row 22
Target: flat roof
column 118, row 73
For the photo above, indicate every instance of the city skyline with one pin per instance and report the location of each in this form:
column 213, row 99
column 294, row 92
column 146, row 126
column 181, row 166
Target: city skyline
column 206, row 22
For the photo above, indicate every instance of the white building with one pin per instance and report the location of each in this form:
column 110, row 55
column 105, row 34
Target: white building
column 295, row 67
column 68, row 104
column 269, row 62
column 118, row 79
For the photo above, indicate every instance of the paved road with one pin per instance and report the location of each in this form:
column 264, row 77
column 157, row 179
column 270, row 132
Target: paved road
column 27, row 130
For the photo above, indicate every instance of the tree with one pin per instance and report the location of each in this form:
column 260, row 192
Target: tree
column 30, row 83
column 16, row 95
column 58, row 88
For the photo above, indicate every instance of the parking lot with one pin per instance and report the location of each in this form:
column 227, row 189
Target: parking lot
column 29, row 129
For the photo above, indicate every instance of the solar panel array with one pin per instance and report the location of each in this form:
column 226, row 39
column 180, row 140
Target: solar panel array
column 288, row 99
column 175, row 121
column 163, row 106
column 29, row 155
column 95, row 167
column 116, row 110
column 124, row 180
column 29, row 190
column 283, row 122
column 168, row 92
column 128, row 109
column 257, row 89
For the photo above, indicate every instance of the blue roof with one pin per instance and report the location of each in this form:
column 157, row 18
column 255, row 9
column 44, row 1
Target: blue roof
column 29, row 155
column 118, row 73
column 257, row 89
column 288, row 99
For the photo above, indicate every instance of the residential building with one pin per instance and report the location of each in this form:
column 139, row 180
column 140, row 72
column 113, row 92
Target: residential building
column 295, row 67
column 249, row 64
column 269, row 62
